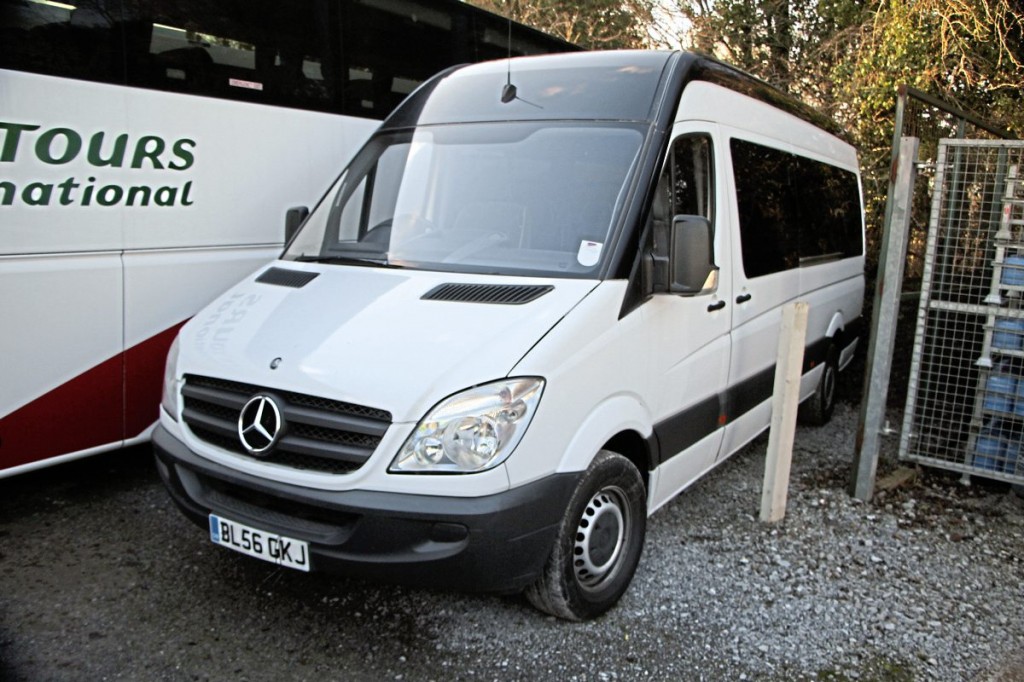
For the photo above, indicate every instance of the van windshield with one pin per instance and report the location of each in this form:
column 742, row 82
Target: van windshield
column 503, row 198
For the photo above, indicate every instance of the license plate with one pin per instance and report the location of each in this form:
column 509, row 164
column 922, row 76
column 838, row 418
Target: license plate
column 271, row 547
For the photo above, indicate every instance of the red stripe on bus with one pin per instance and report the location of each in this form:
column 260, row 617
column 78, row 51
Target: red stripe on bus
column 89, row 410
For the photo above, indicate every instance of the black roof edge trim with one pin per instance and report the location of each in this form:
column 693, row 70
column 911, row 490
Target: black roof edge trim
column 711, row 70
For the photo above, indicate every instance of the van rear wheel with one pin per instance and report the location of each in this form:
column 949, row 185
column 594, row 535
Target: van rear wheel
column 817, row 410
column 598, row 544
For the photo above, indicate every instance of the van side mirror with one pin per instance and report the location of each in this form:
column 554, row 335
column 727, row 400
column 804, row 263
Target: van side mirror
column 293, row 220
column 691, row 256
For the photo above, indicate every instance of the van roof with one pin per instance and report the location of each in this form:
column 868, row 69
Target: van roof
column 613, row 85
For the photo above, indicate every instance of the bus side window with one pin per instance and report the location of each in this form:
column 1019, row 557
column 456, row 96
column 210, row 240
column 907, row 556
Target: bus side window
column 278, row 55
column 60, row 40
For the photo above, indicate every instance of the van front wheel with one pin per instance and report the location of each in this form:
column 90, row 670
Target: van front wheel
column 598, row 544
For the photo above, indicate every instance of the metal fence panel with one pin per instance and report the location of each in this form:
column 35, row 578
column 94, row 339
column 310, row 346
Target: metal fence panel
column 965, row 399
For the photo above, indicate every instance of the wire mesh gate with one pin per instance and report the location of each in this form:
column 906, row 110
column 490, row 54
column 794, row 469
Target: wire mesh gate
column 965, row 399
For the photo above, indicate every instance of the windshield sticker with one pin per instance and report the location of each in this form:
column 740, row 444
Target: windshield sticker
column 589, row 253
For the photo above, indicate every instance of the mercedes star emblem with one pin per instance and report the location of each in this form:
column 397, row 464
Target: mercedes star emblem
column 260, row 425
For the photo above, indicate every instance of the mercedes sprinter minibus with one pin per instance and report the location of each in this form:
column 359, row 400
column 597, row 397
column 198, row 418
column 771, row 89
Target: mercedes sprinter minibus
column 542, row 300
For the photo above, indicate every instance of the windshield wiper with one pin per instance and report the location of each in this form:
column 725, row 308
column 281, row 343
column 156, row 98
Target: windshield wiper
column 347, row 260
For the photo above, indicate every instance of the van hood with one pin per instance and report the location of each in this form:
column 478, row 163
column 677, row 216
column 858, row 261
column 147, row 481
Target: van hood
column 389, row 339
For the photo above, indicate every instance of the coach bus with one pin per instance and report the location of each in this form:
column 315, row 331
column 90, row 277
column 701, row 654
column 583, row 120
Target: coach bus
column 149, row 152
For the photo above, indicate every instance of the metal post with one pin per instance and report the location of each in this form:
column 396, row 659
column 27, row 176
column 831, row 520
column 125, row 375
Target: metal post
column 883, row 330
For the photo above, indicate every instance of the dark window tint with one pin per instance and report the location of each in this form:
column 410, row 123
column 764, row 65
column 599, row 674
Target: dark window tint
column 258, row 51
column 358, row 57
column 690, row 168
column 769, row 226
column 59, row 39
column 391, row 46
column 831, row 221
column 685, row 186
column 793, row 210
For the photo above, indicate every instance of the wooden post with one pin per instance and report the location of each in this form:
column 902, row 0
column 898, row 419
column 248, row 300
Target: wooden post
column 785, row 402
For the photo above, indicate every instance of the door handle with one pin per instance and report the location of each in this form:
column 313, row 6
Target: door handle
column 743, row 298
column 716, row 306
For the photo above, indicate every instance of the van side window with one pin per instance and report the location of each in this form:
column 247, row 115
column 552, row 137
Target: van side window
column 769, row 225
column 685, row 187
column 834, row 218
column 793, row 210
column 687, row 179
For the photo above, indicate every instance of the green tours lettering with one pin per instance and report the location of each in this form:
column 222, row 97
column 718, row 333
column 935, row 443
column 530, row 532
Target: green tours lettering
column 60, row 146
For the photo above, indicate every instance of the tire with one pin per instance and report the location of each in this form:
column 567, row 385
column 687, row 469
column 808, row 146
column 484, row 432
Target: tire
column 817, row 410
column 598, row 544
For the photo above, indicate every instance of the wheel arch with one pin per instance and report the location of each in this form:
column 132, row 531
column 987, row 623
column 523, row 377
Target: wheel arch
column 621, row 424
column 835, row 327
column 634, row 447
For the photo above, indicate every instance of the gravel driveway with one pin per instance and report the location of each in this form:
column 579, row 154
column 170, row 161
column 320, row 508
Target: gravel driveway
column 102, row 578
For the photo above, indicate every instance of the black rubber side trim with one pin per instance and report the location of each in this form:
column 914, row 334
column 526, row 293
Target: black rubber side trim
column 748, row 394
column 675, row 434
column 682, row 430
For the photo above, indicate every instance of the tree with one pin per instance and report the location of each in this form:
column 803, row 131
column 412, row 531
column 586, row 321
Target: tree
column 847, row 58
column 593, row 24
column 967, row 52
column 785, row 42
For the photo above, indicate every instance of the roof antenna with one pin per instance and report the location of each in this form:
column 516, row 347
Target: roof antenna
column 508, row 91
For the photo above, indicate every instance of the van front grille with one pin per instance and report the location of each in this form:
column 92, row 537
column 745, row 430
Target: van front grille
column 322, row 435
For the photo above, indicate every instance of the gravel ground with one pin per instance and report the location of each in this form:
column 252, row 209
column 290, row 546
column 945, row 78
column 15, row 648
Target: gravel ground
column 102, row 578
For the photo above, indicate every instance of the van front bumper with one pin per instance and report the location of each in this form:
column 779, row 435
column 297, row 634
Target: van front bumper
column 497, row 543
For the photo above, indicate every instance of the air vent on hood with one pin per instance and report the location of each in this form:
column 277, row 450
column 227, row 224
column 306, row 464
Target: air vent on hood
column 287, row 278
column 506, row 294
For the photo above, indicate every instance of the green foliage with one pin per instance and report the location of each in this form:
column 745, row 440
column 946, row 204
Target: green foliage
column 593, row 24
column 848, row 57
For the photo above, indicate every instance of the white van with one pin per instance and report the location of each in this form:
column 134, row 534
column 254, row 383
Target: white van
column 541, row 301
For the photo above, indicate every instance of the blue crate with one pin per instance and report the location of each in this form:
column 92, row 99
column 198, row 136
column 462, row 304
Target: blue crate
column 1013, row 271
column 1008, row 334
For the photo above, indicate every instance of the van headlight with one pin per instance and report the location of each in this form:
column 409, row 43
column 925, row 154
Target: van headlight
column 169, row 398
column 471, row 431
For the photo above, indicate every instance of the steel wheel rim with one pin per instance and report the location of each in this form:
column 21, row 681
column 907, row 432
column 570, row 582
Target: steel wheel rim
column 601, row 538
